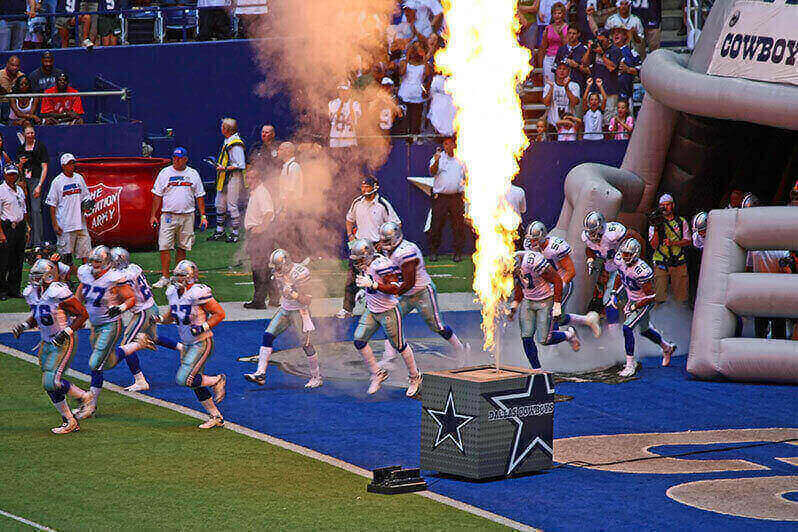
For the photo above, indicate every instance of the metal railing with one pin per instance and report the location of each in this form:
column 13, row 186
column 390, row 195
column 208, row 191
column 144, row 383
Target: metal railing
column 124, row 95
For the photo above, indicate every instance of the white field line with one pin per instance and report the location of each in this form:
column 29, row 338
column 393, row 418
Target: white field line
column 304, row 451
column 31, row 524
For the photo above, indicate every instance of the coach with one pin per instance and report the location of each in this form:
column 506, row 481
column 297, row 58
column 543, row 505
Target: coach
column 174, row 192
column 230, row 166
column 447, row 199
column 13, row 233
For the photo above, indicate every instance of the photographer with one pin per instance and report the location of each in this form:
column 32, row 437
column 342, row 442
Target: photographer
column 668, row 235
column 603, row 58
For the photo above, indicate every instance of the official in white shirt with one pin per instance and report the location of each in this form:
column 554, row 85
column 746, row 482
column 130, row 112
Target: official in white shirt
column 259, row 225
column 174, row 192
column 447, row 199
column 363, row 220
column 69, row 200
column 13, row 233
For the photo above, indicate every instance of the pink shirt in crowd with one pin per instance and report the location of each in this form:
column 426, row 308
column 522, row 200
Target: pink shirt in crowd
column 555, row 39
column 615, row 127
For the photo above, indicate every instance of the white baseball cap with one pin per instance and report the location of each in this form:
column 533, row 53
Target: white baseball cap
column 386, row 81
column 619, row 2
column 665, row 198
column 66, row 158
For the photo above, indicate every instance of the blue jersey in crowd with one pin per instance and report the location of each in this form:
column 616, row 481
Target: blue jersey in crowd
column 626, row 81
column 598, row 70
column 649, row 11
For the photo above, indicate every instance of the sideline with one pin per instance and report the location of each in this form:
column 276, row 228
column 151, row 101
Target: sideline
column 31, row 524
column 240, row 429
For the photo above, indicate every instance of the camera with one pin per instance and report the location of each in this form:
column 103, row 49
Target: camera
column 656, row 218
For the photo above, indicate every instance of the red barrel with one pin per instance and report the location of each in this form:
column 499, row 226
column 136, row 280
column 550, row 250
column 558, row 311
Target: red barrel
column 122, row 191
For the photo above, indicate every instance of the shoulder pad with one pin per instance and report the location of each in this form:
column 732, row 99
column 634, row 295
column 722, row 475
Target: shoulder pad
column 27, row 291
column 58, row 291
column 171, row 291
column 300, row 273
column 201, row 293
column 135, row 270
column 84, row 272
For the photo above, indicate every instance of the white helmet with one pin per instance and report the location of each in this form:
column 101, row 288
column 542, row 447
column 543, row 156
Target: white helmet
column 185, row 274
column 535, row 232
column 42, row 273
column 700, row 222
column 390, row 236
column 280, row 261
column 594, row 224
column 120, row 258
column 630, row 250
column 362, row 253
column 749, row 200
column 100, row 260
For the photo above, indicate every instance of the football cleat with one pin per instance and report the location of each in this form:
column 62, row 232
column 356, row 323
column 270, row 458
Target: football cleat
column 376, row 381
column 415, row 386
column 138, row 386
column 213, row 421
column 628, row 370
column 218, row 389
column 592, row 319
column 257, row 378
column 87, row 409
column 231, row 238
column 667, row 351
column 314, row 382
column 70, row 425
column 217, row 236
column 574, row 340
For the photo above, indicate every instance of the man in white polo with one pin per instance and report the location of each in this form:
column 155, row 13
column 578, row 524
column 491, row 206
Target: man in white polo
column 69, row 200
column 174, row 192
column 447, row 199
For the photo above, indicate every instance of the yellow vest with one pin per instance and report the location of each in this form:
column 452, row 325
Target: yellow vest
column 673, row 231
column 224, row 158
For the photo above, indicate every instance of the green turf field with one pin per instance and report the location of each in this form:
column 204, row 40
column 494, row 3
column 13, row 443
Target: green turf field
column 142, row 467
column 223, row 266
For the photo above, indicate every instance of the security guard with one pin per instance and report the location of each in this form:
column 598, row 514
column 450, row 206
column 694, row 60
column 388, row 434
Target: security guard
column 230, row 166
column 668, row 241
column 13, row 233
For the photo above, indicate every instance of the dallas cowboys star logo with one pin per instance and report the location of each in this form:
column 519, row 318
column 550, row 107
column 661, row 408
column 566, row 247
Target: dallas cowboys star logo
column 528, row 434
column 449, row 423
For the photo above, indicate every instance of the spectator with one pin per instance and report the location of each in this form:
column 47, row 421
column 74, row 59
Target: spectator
column 15, row 28
column 603, row 58
column 544, row 10
column 88, row 23
column 441, row 108
column 568, row 128
column 65, row 25
column 363, row 220
column 623, row 123
column 650, row 14
column 540, row 131
column 344, row 113
column 735, row 199
column 669, row 235
column 24, row 111
column 401, row 34
column 593, row 118
column 33, row 162
column 66, row 198
column 428, row 16
column 13, row 233
column 572, row 53
column 554, row 36
column 214, row 21
column 10, row 74
column 447, row 199
column 36, row 25
column 44, row 77
column 175, row 189
column 62, row 109
column 414, row 71
column 627, row 66
column 230, row 166
column 632, row 25
column 384, row 108
column 528, row 19
column 561, row 96
column 258, row 223
column 109, row 25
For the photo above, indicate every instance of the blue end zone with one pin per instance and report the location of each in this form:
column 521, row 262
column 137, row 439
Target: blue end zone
column 340, row 420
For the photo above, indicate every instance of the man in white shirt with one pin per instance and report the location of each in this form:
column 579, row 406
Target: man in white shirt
column 68, row 199
column 429, row 15
column 13, row 234
column 230, row 166
column 363, row 220
column 447, row 199
column 516, row 198
column 560, row 96
column 174, row 192
column 630, row 22
column 344, row 115
column 258, row 223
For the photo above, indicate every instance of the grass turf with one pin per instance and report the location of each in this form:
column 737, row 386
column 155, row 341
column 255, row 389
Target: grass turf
column 222, row 266
column 145, row 467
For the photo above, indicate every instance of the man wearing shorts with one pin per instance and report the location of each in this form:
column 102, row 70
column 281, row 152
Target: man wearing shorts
column 68, row 199
column 174, row 192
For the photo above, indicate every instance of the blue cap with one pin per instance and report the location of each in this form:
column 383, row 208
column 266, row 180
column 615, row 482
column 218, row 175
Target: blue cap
column 180, row 152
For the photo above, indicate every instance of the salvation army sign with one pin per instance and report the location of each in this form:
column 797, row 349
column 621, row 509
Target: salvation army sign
column 758, row 41
column 105, row 215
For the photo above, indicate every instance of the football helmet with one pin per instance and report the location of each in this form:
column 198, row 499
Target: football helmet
column 100, row 260
column 185, row 274
column 120, row 258
column 594, row 224
column 280, row 261
column 42, row 273
column 390, row 236
column 630, row 251
column 535, row 232
column 362, row 253
column 700, row 222
column 750, row 200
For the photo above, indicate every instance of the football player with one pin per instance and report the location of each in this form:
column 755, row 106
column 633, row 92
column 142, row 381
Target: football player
column 106, row 295
column 699, row 230
column 637, row 288
column 144, row 313
column 379, row 277
column 293, row 280
column 601, row 240
column 416, row 291
column 51, row 302
column 558, row 252
column 538, row 301
column 48, row 252
column 195, row 311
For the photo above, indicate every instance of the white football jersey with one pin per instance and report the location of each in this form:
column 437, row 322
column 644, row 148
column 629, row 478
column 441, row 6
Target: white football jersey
column 379, row 269
column 187, row 310
column 634, row 277
column 614, row 233
column 555, row 251
column 46, row 308
column 534, row 286
column 97, row 295
column 407, row 251
column 298, row 276
column 134, row 275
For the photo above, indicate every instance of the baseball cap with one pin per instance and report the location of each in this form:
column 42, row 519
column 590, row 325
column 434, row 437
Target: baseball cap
column 66, row 158
column 370, row 181
column 386, row 81
column 11, row 169
column 665, row 198
column 180, row 151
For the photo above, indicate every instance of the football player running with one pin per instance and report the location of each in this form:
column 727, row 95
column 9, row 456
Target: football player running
column 558, row 252
column 51, row 302
column 195, row 311
column 416, row 290
column 144, row 313
column 601, row 239
column 106, row 295
column 293, row 280
column 48, row 252
column 637, row 283
column 379, row 276
column 538, row 302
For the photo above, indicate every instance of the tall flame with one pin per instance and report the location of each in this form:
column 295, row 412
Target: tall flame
column 486, row 63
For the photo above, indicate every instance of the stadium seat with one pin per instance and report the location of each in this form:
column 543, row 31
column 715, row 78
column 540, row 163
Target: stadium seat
column 181, row 23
